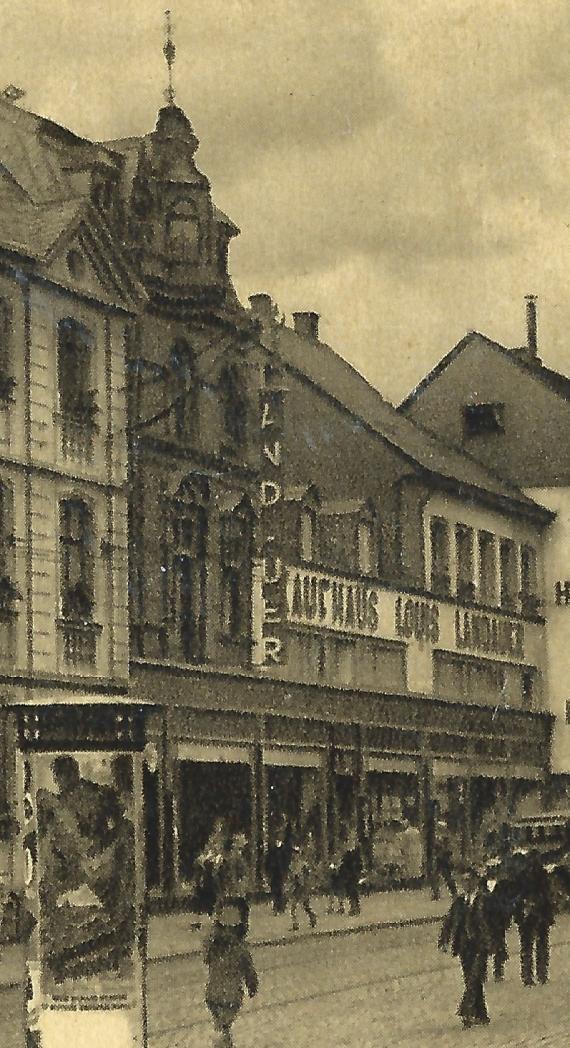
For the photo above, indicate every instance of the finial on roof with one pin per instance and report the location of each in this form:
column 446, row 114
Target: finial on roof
column 169, row 52
column 13, row 93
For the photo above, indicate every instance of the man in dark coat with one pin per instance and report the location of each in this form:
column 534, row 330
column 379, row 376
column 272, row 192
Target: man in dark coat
column 349, row 874
column 466, row 930
column 277, row 865
column 534, row 916
column 499, row 912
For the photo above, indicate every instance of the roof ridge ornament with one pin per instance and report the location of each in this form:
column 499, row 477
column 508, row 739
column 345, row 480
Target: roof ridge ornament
column 169, row 52
column 12, row 93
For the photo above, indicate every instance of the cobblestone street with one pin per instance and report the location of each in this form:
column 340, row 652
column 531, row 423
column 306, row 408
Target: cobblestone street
column 369, row 989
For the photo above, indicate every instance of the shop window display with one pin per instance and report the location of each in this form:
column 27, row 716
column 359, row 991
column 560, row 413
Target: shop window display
column 393, row 829
column 214, row 817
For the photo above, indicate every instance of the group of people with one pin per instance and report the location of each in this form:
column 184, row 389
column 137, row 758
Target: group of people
column 517, row 888
column 293, row 873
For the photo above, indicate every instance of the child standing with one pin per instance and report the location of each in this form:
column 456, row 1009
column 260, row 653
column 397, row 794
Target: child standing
column 230, row 966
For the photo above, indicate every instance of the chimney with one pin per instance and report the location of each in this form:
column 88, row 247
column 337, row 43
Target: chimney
column 307, row 325
column 263, row 308
column 531, row 339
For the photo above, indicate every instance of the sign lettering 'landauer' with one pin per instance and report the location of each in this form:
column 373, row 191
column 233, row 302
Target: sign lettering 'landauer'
column 363, row 608
column 273, row 581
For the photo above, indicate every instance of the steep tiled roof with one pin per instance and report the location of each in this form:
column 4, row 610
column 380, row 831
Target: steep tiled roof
column 519, row 356
column 336, row 377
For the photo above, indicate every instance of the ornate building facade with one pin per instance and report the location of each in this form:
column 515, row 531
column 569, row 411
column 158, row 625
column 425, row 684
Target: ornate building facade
column 330, row 616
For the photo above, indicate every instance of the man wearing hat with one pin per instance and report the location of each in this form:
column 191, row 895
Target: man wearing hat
column 534, row 916
column 499, row 912
column 465, row 929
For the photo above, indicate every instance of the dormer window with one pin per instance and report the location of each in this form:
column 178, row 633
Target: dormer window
column 483, row 419
column 183, row 234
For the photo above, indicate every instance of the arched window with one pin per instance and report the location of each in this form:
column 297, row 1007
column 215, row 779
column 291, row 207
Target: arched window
column 188, row 583
column 184, row 388
column 236, row 540
column 183, row 234
column 77, row 399
column 234, row 405
column 76, row 541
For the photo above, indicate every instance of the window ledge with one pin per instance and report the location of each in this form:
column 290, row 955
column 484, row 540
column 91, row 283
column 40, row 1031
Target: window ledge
column 79, row 625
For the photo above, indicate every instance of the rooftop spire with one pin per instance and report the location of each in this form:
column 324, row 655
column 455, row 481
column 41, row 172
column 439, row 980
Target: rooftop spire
column 169, row 52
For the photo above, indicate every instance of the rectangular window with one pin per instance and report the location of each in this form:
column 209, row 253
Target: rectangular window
column 482, row 419
column 379, row 666
column 307, row 536
column 508, row 561
column 529, row 581
column 568, row 711
column 439, row 539
column 487, row 568
column 528, row 689
column 365, row 547
column 235, row 556
column 78, row 407
column 76, row 541
column 479, row 681
column 464, row 538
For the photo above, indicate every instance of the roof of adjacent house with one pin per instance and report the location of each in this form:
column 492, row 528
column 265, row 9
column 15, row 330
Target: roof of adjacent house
column 519, row 356
column 325, row 369
column 41, row 189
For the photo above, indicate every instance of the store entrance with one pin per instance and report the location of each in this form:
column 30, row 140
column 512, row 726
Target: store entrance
column 210, row 795
column 293, row 799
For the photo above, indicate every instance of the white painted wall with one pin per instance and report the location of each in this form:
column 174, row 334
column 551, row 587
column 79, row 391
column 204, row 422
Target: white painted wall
column 556, row 566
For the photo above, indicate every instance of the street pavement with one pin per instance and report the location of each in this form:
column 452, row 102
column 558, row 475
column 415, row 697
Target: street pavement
column 181, row 934
column 389, row 987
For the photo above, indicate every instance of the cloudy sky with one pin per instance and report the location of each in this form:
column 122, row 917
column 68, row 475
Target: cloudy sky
column 400, row 166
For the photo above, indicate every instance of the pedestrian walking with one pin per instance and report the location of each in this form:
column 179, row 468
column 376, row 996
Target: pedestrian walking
column 534, row 916
column 442, row 863
column 465, row 930
column 230, row 966
column 499, row 913
column 277, row 866
column 334, row 885
column 299, row 888
column 349, row 875
column 412, row 854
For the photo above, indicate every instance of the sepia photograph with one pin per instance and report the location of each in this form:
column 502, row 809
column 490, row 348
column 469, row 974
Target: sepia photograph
column 284, row 524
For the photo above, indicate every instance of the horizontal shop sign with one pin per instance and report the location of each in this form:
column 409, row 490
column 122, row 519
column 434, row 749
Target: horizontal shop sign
column 202, row 752
column 450, row 769
column 361, row 607
column 277, row 757
column 394, row 764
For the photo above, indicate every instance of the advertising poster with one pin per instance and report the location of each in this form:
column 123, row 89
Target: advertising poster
column 84, row 966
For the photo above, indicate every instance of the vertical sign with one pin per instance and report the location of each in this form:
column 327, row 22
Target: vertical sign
column 270, row 594
column 83, row 875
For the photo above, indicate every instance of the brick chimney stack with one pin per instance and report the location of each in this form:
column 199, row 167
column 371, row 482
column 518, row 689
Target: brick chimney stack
column 307, row 325
column 531, row 330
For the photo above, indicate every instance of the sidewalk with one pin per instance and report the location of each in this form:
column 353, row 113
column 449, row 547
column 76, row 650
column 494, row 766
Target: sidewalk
column 180, row 935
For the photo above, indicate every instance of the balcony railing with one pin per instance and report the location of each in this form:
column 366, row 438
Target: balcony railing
column 79, row 642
